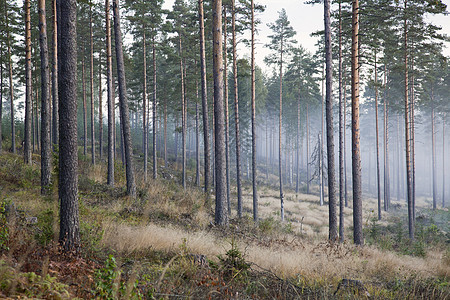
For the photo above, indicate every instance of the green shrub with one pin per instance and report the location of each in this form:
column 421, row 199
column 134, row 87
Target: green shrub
column 233, row 264
column 4, row 232
column 45, row 232
column 109, row 283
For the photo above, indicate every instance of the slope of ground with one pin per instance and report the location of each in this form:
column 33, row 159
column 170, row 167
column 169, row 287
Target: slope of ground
column 163, row 245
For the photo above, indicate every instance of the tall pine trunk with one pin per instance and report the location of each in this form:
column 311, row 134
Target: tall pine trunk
column 280, row 119
column 45, row 103
column 155, row 158
column 144, row 105
column 333, row 226
column 11, row 87
column 183, row 116
column 407, row 134
column 124, row 112
column 443, row 161
column 219, row 130
column 83, row 79
column 91, row 69
column 110, row 97
column 341, row 135
column 433, row 151
column 28, row 96
column 204, row 97
column 253, row 99
column 69, row 232
column 100, row 109
column 225, row 85
column 236, row 114
column 55, row 101
column 356, row 152
column 377, row 140
column 307, row 148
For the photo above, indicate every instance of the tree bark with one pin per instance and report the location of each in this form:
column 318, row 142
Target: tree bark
column 236, row 115
column 144, row 105
column 225, row 84
column 377, row 140
column 100, row 109
column 124, row 112
column 69, row 233
column 341, row 135
column 92, row 86
column 1, row 96
column 280, row 118
column 204, row 97
column 83, row 79
column 254, row 169
column 333, row 230
column 356, row 152
column 407, row 134
column 155, row 158
column 307, row 148
column 220, row 162
column 433, row 152
column 443, row 160
column 28, row 96
column 45, row 104
column 197, row 141
column 183, row 116
column 110, row 97
column 11, row 87
column 55, row 101
column 297, row 146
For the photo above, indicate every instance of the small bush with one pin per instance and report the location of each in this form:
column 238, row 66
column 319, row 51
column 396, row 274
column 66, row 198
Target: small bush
column 45, row 232
column 109, row 283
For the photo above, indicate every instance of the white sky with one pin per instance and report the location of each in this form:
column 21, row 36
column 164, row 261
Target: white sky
column 305, row 19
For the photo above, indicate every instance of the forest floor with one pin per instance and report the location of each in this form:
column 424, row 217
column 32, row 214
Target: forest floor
column 163, row 244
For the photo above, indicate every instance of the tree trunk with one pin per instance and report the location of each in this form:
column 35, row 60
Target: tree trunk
column 307, row 148
column 225, row 85
column 28, row 96
column 386, row 154
column 341, row 136
column 69, row 232
column 83, row 79
column 204, row 97
column 155, row 158
column 356, row 152
column 443, row 160
column 11, row 87
column 110, row 99
column 433, row 152
column 407, row 135
column 345, row 146
column 45, row 104
column 92, row 87
column 124, row 113
column 1, row 96
column 197, row 141
column 333, row 230
column 280, row 118
column 322, row 176
column 144, row 105
column 297, row 145
column 100, row 109
column 254, row 168
column 165, row 132
column 183, row 116
column 55, row 102
column 220, row 162
column 236, row 115
column 377, row 141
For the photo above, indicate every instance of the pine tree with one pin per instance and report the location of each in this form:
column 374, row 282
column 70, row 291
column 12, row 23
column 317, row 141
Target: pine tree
column 281, row 43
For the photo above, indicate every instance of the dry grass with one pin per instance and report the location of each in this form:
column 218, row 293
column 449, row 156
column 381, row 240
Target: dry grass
column 310, row 259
